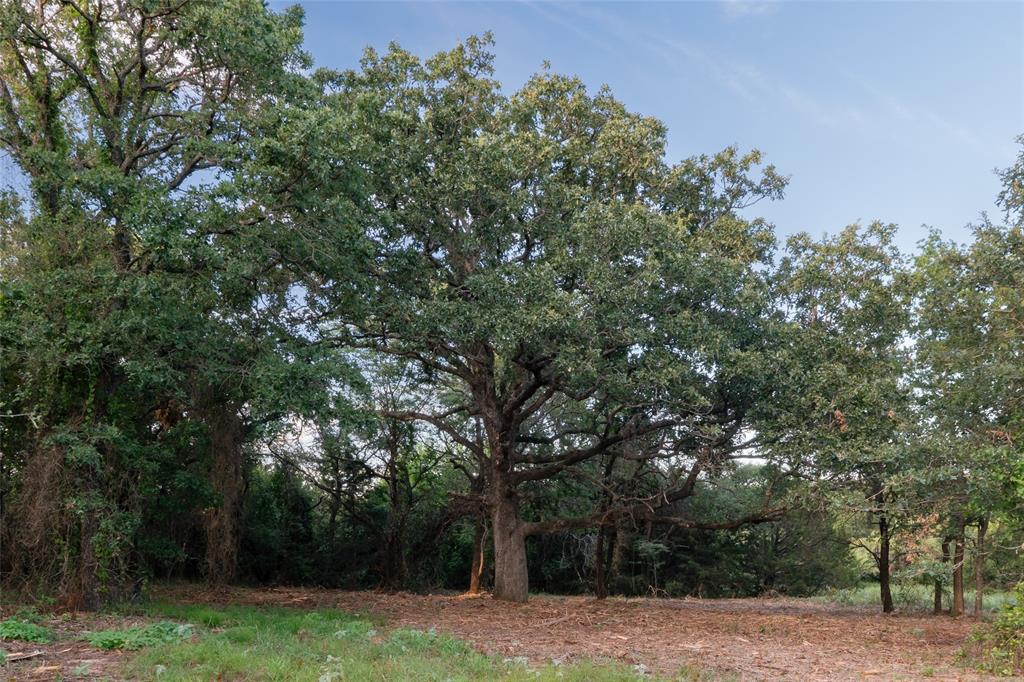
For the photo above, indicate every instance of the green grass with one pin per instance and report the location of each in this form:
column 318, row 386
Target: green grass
column 252, row 643
column 912, row 597
column 18, row 629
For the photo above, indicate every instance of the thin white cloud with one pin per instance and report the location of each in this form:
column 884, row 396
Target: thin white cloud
column 754, row 84
column 880, row 115
column 739, row 9
column 551, row 12
column 898, row 112
column 744, row 79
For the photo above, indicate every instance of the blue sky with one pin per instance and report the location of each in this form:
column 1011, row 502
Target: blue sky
column 898, row 111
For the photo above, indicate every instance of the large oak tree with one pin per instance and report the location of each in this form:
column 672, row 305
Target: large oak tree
column 556, row 283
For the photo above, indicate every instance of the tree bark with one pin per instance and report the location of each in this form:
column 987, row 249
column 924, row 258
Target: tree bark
column 88, row 564
column 332, row 522
column 89, row 598
column 946, row 558
column 476, row 571
column 958, row 573
column 511, row 579
column 221, row 522
column 601, row 549
column 979, row 567
column 609, row 554
column 600, row 576
column 619, row 562
column 884, row 578
column 394, row 568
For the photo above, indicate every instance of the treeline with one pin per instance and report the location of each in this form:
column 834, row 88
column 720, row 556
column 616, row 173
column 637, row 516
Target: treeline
column 397, row 326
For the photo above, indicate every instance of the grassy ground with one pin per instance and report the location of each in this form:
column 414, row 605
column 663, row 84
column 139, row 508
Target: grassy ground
column 253, row 643
column 285, row 634
column 911, row 597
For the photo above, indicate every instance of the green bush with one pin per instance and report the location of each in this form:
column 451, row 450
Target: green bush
column 999, row 647
column 14, row 628
column 131, row 639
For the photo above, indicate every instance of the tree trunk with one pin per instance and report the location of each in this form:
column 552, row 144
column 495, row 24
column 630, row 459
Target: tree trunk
column 609, row 554
column 393, row 565
column 619, row 561
column 393, row 573
column 222, row 521
column 393, row 568
column 979, row 567
column 88, row 597
column 511, row 579
column 600, row 576
column 600, row 548
column 332, row 522
column 476, row 571
column 958, row 573
column 946, row 558
column 884, row 579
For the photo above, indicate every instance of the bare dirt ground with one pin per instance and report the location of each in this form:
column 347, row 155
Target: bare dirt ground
column 68, row 658
column 748, row 639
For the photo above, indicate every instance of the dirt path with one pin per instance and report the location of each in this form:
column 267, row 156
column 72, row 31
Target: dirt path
column 749, row 639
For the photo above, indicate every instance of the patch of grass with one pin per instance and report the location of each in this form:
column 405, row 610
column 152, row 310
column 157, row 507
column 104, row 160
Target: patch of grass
column 909, row 597
column 691, row 673
column 133, row 639
column 257, row 643
column 15, row 628
column 28, row 614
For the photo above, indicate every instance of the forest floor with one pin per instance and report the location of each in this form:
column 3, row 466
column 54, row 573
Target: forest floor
column 688, row 639
column 749, row 639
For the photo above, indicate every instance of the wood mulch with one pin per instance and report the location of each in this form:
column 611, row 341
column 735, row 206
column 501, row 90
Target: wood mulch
column 749, row 639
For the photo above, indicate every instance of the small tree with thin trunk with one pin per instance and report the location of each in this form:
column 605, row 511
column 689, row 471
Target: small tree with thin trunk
column 851, row 293
column 969, row 344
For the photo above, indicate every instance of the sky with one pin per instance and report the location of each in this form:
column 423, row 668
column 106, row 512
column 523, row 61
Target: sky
column 895, row 111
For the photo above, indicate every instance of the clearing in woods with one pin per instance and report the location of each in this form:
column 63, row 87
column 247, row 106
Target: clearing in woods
column 749, row 639
column 690, row 639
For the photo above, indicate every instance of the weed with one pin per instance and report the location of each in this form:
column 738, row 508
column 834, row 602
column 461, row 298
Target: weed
column 132, row 639
column 14, row 628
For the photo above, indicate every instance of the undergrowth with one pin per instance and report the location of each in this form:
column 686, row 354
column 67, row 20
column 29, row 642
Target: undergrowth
column 22, row 629
column 135, row 638
column 998, row 648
